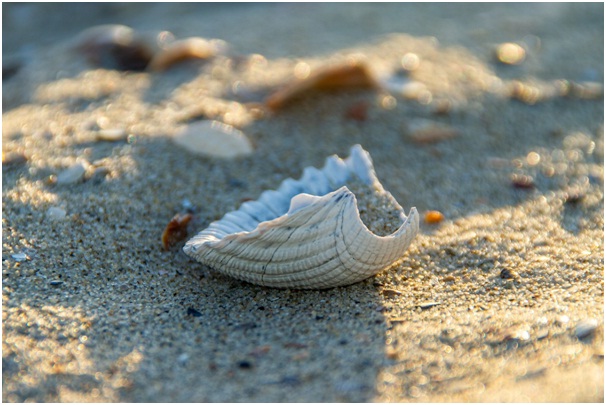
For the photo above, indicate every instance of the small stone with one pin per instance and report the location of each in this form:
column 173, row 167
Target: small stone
column 410, row 61
column 509, row 274
column 434, row 217
column 182, row 359
column 20, row 257
column 424, row 131
column 111, row 135
column 56, row 214
column 55, row 283
column 562, row 320
column 586, row 328
column 71, row 175
column 427, row 305
column 245, row 364
column 388, row 292
column 522, row 181
column 449, row 279
column 510, row 53
column 214, row 139
column 516, row 334
column 193, row 312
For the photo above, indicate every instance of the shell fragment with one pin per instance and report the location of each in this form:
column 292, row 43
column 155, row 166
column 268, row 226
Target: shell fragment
column 308, row 234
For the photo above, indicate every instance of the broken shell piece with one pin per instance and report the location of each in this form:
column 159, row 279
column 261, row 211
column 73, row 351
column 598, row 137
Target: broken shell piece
column 345, row 75
column 176, row 230
column 213, row 139
column 308, row 234
column 184, row 49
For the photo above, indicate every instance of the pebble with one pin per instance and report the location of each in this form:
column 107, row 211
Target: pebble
column 517, row 334
column 214, row 139
column 56, row 214
column 193, row 312
column 509, row 274
column 111, row 135
column 182, row 359
column 20, row 257
column 434, row 217
column 115, row 46
column 71, row 175
column 427, row 305
column 348, row 75
column 522, row 181
column 586, row 328
column 55, row 283
column 423, row 131
column 410, row 61
column 510, row 53
column 245, row 364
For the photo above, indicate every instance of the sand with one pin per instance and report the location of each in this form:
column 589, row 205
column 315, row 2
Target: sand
column 501, row 301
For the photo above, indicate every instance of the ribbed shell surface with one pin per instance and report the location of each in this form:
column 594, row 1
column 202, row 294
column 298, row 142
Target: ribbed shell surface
column 307, row 234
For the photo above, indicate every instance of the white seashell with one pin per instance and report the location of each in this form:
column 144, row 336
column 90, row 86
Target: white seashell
column 308, row 233
column 214, row 139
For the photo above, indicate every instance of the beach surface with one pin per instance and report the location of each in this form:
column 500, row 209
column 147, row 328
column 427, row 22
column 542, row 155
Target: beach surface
column 502, row 300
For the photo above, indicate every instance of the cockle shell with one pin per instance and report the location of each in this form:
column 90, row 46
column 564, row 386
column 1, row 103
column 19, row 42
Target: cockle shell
column 308, row 234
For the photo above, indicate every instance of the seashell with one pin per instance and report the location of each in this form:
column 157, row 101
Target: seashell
column 213, row 139
column 184, row 49
column 309, row 233
column 116, row 46
column 346, row 75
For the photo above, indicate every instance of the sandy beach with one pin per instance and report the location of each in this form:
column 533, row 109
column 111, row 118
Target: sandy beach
column 501, row 301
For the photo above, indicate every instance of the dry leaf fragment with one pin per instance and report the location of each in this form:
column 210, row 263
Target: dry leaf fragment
column 345, row 75
column 176, row 230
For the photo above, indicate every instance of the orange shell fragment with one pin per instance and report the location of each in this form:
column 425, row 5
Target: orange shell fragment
column 346, row 75
column 176, row 230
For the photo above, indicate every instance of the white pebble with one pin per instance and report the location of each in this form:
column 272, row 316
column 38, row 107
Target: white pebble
column 56, row 213
column 72, row 174
column 111, row 135
column 19, row 257
column 214, row 139
column 586, row 327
